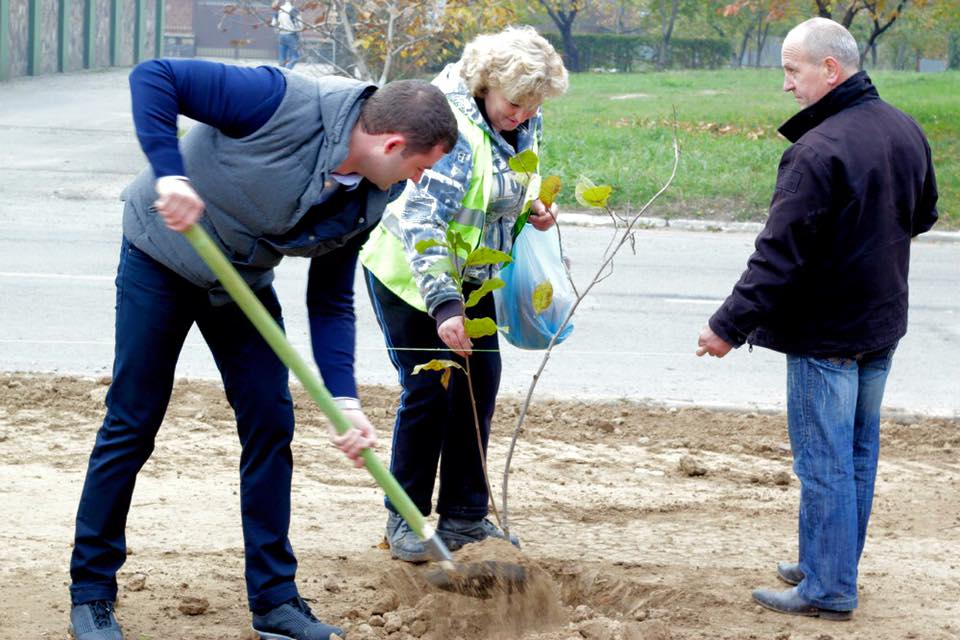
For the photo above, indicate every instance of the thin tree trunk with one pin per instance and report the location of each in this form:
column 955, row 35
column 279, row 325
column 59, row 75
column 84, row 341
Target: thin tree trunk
column 350, row 40
column 564, row 22
column 388, row 56
column 666, row 30
column 743, row 45
column 761, row 41
column 878, row 29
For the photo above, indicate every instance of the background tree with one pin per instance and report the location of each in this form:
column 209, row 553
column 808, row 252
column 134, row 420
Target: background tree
column 667, row 11
column 757, row 16
column 926, row 32
column 621, row 17
column 384, row 39
column 563, row 13
column 881, row 15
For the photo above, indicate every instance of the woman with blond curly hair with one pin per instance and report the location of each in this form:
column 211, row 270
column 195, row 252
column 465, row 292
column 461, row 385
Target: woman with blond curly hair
column 496, row 90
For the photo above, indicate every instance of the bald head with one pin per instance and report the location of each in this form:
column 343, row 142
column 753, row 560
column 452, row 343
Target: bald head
column 821, row 38
column 818, row 55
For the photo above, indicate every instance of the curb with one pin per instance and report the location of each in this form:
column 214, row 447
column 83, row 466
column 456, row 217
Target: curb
column 580, row 219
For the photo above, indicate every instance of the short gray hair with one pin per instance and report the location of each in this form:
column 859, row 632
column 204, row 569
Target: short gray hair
column 822, row 38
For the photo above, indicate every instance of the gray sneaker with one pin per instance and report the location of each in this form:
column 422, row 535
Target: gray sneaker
column 293, row 620
column 790, row 573
column 456, row 532
column 404, row 543
column 94, row 621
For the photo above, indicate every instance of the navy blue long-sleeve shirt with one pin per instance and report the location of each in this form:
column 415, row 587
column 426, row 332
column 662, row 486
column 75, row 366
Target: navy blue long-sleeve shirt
column 238, row 101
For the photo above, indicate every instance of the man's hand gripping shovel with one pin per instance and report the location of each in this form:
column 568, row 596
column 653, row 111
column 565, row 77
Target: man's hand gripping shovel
column 477, row 579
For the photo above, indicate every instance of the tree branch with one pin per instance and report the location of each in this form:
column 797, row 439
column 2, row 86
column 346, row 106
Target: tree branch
column 606, row 264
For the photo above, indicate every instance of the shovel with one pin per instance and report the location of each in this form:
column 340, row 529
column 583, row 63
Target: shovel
column 474, row 579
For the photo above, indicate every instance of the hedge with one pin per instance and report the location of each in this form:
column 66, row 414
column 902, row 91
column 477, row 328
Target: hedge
column 630, row 53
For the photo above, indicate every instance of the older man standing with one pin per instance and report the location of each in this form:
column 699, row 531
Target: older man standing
column 827, row 286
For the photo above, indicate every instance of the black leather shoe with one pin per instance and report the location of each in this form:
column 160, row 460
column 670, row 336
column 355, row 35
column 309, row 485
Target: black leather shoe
column 790, row 573
column 790, row 602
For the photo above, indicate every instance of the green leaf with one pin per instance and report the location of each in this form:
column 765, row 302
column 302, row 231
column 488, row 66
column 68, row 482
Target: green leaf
column 423, row 245
column 488, row 285
column 456, row 240
column 583, row 183
column 597, row 196
column 436, row 364
column 590, row 195
column 443, row 265
column 542, row 297
column 479, row 327
column 519, row 224
column 486, row 255
column 524, row 162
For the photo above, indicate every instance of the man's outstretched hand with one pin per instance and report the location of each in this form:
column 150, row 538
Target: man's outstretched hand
column 711, row 343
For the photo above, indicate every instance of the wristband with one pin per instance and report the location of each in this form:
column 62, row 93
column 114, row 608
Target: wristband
column 345, row 403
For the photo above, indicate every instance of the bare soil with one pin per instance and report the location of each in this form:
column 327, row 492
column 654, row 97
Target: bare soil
column 637, row 523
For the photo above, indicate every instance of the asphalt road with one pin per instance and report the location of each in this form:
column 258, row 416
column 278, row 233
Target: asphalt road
column 67, row 149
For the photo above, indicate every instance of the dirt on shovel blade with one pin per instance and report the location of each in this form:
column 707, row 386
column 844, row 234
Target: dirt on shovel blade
column 499, row 594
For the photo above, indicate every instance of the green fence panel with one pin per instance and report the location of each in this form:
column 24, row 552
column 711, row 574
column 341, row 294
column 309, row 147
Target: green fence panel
column 63, row 36
column 4, row 39
column 159, row 23
column 60, row 36
column 114, row 32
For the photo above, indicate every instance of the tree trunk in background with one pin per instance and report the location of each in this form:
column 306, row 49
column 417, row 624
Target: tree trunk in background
column 563, row 19
column 743, row 45
column 879, row 29
column 666, row 31
column 824, row 10
column 762, row 31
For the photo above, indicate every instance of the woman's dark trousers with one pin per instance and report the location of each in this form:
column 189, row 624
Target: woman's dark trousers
column 436, row 425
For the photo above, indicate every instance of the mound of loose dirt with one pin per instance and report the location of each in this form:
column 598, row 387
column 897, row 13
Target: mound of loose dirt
column 637, row 523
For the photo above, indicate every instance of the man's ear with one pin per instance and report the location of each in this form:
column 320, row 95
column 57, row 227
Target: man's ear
column 834, row 72
column 394, row 142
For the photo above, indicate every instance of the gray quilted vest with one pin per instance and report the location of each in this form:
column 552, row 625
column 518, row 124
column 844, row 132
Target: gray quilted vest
column 258, row 188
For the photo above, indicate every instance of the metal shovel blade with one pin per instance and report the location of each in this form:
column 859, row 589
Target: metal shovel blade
column 479, row 579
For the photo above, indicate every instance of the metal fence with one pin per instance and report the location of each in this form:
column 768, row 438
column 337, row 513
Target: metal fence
column 49, row 36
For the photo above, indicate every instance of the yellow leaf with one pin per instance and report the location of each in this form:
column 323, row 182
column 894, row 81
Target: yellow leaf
column 549, row 189
column 542, row 297
column 435, row 365
column 445, row 377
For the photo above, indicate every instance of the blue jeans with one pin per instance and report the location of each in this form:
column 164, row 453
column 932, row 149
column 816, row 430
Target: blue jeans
column 155, row 310
column 833, row 413
column 288, row 45
column 436, row 425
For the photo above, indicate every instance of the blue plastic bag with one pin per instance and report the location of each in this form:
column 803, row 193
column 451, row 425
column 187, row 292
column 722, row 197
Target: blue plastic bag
column 536, row 259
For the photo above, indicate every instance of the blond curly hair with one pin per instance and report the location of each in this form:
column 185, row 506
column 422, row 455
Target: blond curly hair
column 518, row 61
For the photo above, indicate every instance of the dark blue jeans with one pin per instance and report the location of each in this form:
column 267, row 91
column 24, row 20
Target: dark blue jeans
column 436, row 425
column 155, row 310
column 833, row 411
